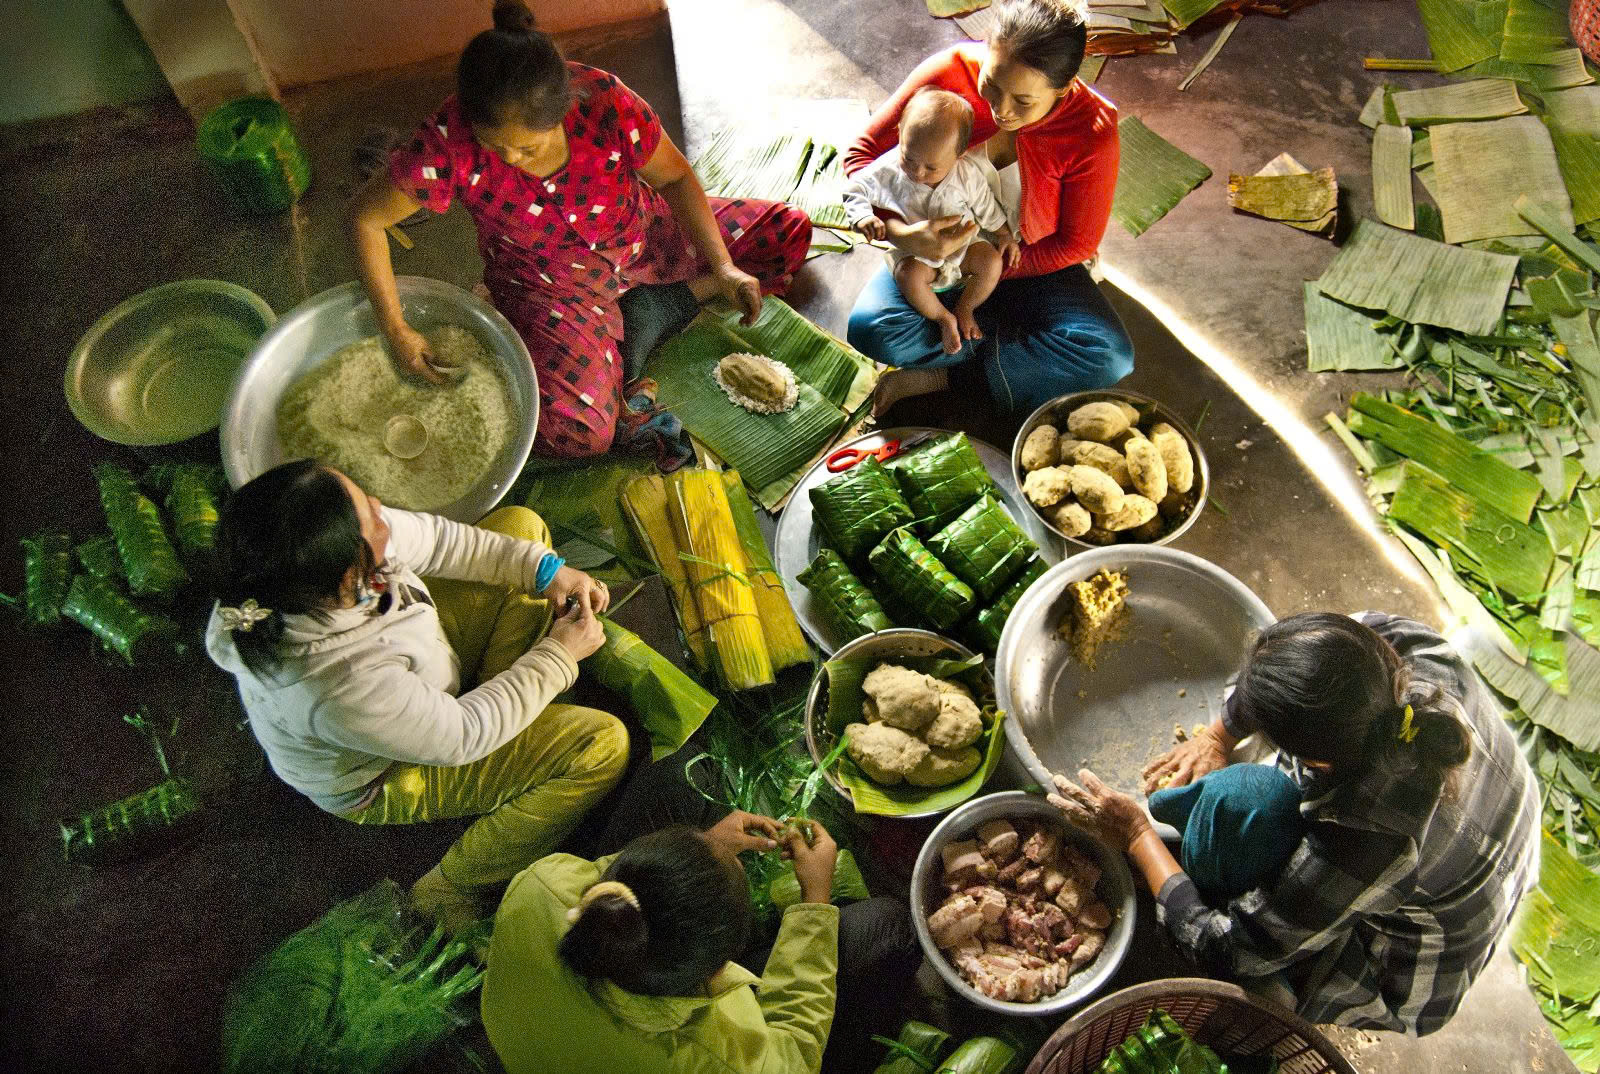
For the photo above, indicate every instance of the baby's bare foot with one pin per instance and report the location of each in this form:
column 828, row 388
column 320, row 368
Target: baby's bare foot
column 950, row 333
column 968, row 325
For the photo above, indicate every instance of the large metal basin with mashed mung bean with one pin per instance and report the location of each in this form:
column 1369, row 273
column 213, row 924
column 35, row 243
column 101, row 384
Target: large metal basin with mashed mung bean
column 311, row 332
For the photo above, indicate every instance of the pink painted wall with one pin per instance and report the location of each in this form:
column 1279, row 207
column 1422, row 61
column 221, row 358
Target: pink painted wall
column 303, row 41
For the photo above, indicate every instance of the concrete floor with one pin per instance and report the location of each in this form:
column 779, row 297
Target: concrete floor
column 126, row 968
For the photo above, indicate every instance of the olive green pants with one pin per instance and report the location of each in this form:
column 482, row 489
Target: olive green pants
column 531, row 792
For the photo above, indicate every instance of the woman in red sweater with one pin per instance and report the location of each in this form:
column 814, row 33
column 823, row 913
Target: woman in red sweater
column 1053, row 144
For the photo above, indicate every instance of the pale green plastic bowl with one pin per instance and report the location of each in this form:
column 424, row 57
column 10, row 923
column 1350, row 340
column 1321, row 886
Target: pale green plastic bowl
column 159, row 367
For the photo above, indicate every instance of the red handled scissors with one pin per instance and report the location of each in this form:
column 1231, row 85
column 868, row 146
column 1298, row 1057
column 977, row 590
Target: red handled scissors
column 846, row 457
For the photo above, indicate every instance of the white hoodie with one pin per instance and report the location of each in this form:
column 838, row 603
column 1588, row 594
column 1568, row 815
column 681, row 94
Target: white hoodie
column 356, row 692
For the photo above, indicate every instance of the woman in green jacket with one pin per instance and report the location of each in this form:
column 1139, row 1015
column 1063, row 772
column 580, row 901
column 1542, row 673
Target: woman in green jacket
column 632, row 963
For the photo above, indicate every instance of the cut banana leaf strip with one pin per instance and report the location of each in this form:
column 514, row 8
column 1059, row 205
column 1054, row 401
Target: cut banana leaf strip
column 1483, row 98
column 1453, row 36
column 1535, row 32
column 1308, row 198
column 1421, row 149
column 1184, row 12
column 1379, row 108
column 1574, row 247
column 1473, row 471
column 1460, row 600
column 1430, row 225
column 1480, row 170
column 1506, row 553
column 1211, row 53
column 1342, row 337
column 821, row 189
column 1420, row 281
column 1392, row 158
column 949, row 9
column 1567, row 71
column 1152, row 177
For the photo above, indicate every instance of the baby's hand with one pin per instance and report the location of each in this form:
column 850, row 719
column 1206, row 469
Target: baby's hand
column 1010, row 252
column 872, row 228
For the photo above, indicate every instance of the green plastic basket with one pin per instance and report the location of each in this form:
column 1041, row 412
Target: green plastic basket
column 251, row 149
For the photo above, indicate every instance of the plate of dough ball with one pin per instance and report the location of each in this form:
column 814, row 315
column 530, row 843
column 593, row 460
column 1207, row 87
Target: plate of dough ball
column 1109, row 467
column 904, row 723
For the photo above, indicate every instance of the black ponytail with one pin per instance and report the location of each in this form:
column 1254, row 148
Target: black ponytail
column 286, row 540
column 693, row 916
column 513, row 73
column 1329, row 689
column 1048, row 35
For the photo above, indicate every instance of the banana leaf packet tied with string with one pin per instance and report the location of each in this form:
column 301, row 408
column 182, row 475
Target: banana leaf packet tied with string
column 858, row 507
column 846, row 603
column 940, row 479
column 915, row 576
column 983, row 546
column 669, row 704
column 987, row 626
column 46, row 576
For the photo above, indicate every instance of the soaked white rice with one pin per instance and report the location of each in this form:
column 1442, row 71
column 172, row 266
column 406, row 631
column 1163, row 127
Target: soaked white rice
column 336, row 414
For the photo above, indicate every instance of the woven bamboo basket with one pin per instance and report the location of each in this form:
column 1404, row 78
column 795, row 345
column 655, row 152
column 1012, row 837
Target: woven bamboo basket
column 1222, row 1016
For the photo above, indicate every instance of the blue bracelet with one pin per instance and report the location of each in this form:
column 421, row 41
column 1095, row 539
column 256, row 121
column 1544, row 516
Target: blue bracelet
column 549, row 564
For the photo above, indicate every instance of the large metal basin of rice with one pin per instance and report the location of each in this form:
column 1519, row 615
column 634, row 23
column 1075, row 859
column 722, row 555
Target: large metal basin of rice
column 1190, row 621
column 313, row 331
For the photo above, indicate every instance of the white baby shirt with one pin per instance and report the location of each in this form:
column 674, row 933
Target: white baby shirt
column 964, row 192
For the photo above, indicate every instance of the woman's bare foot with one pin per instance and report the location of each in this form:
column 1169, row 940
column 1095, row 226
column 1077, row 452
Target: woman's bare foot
column 898, row 384
column 950, row 333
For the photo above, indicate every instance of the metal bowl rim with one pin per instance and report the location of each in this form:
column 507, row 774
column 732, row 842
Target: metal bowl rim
column 814, row 699
column 150, row 296
column 1118, row 939
column 1082, row 566
column 424, row 286
column 1202, row 467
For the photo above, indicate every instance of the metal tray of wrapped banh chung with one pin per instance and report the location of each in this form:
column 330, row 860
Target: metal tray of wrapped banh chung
column 1188, row 623
column 798, row 538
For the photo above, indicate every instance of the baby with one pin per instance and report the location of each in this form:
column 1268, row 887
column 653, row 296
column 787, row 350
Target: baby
column 928, row 178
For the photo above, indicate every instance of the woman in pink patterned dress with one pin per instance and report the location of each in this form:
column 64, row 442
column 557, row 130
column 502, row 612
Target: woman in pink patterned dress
column 578, row 196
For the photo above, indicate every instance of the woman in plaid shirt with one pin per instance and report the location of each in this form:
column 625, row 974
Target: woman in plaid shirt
column 1421, row 825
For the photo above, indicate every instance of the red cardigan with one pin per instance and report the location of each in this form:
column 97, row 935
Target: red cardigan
column 1068, row 159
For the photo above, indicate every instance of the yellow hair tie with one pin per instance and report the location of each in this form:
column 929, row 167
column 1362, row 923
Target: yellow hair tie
column 1407, row 732
column 605, row 887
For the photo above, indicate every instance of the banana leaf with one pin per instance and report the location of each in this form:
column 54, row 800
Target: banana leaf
column 46, row 575
column 98, row 555
column 1308, row 197
column 768, row 449
column 916, row 1050
column 984, row 547
column 362, row 990
column 1420, row 281
column 1556, row 933
column 983, row 1055
column 1575, row 716
column 1482, row 98
column 848, row 885
column 1379, row 108
column 1185, row 12
column 192, row 503
column 940, row 479
column 989, row 624
column 847, row 604
column 786, row 642
column 904, row 566
column 131, row 826
column 1534, row 32
column 1504, row 552
column 1153, row 175
column 100, row 606
column 1340, row 337
column 821, row 189
column 1453, row 37
column 949, row 9
column 1162, row 1045
column 857, row 508
column 841, row 374
column 1573, row 118
column 1480, row 475
column 148, row 558
column 1567, row 71
column 1480, row 169
column 744, row 163
column 1392, row 158
column 669, row 704
column 844, row 707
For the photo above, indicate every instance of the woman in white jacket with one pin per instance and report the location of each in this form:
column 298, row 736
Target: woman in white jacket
column 386, row 699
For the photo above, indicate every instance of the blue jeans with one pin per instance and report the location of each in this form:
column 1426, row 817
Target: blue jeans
column 1044, row 336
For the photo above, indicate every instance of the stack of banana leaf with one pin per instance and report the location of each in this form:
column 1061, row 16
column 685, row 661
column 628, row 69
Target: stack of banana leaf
column 1486, row 463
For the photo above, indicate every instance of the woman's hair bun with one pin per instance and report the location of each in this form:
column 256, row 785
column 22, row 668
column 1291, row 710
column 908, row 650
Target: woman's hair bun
column 513, row 17
column 1441, row 742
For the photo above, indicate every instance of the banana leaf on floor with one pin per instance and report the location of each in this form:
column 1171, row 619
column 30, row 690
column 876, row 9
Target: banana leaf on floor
column 1419, row 280
column 1481, row 168
column 1153, row 175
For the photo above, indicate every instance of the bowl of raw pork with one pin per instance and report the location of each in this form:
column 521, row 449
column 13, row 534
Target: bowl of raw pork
column 1021, row 912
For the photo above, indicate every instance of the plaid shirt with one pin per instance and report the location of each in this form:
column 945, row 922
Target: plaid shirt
column 1393, row 901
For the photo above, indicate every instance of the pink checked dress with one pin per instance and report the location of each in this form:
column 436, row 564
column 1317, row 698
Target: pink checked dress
column 559, row 251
